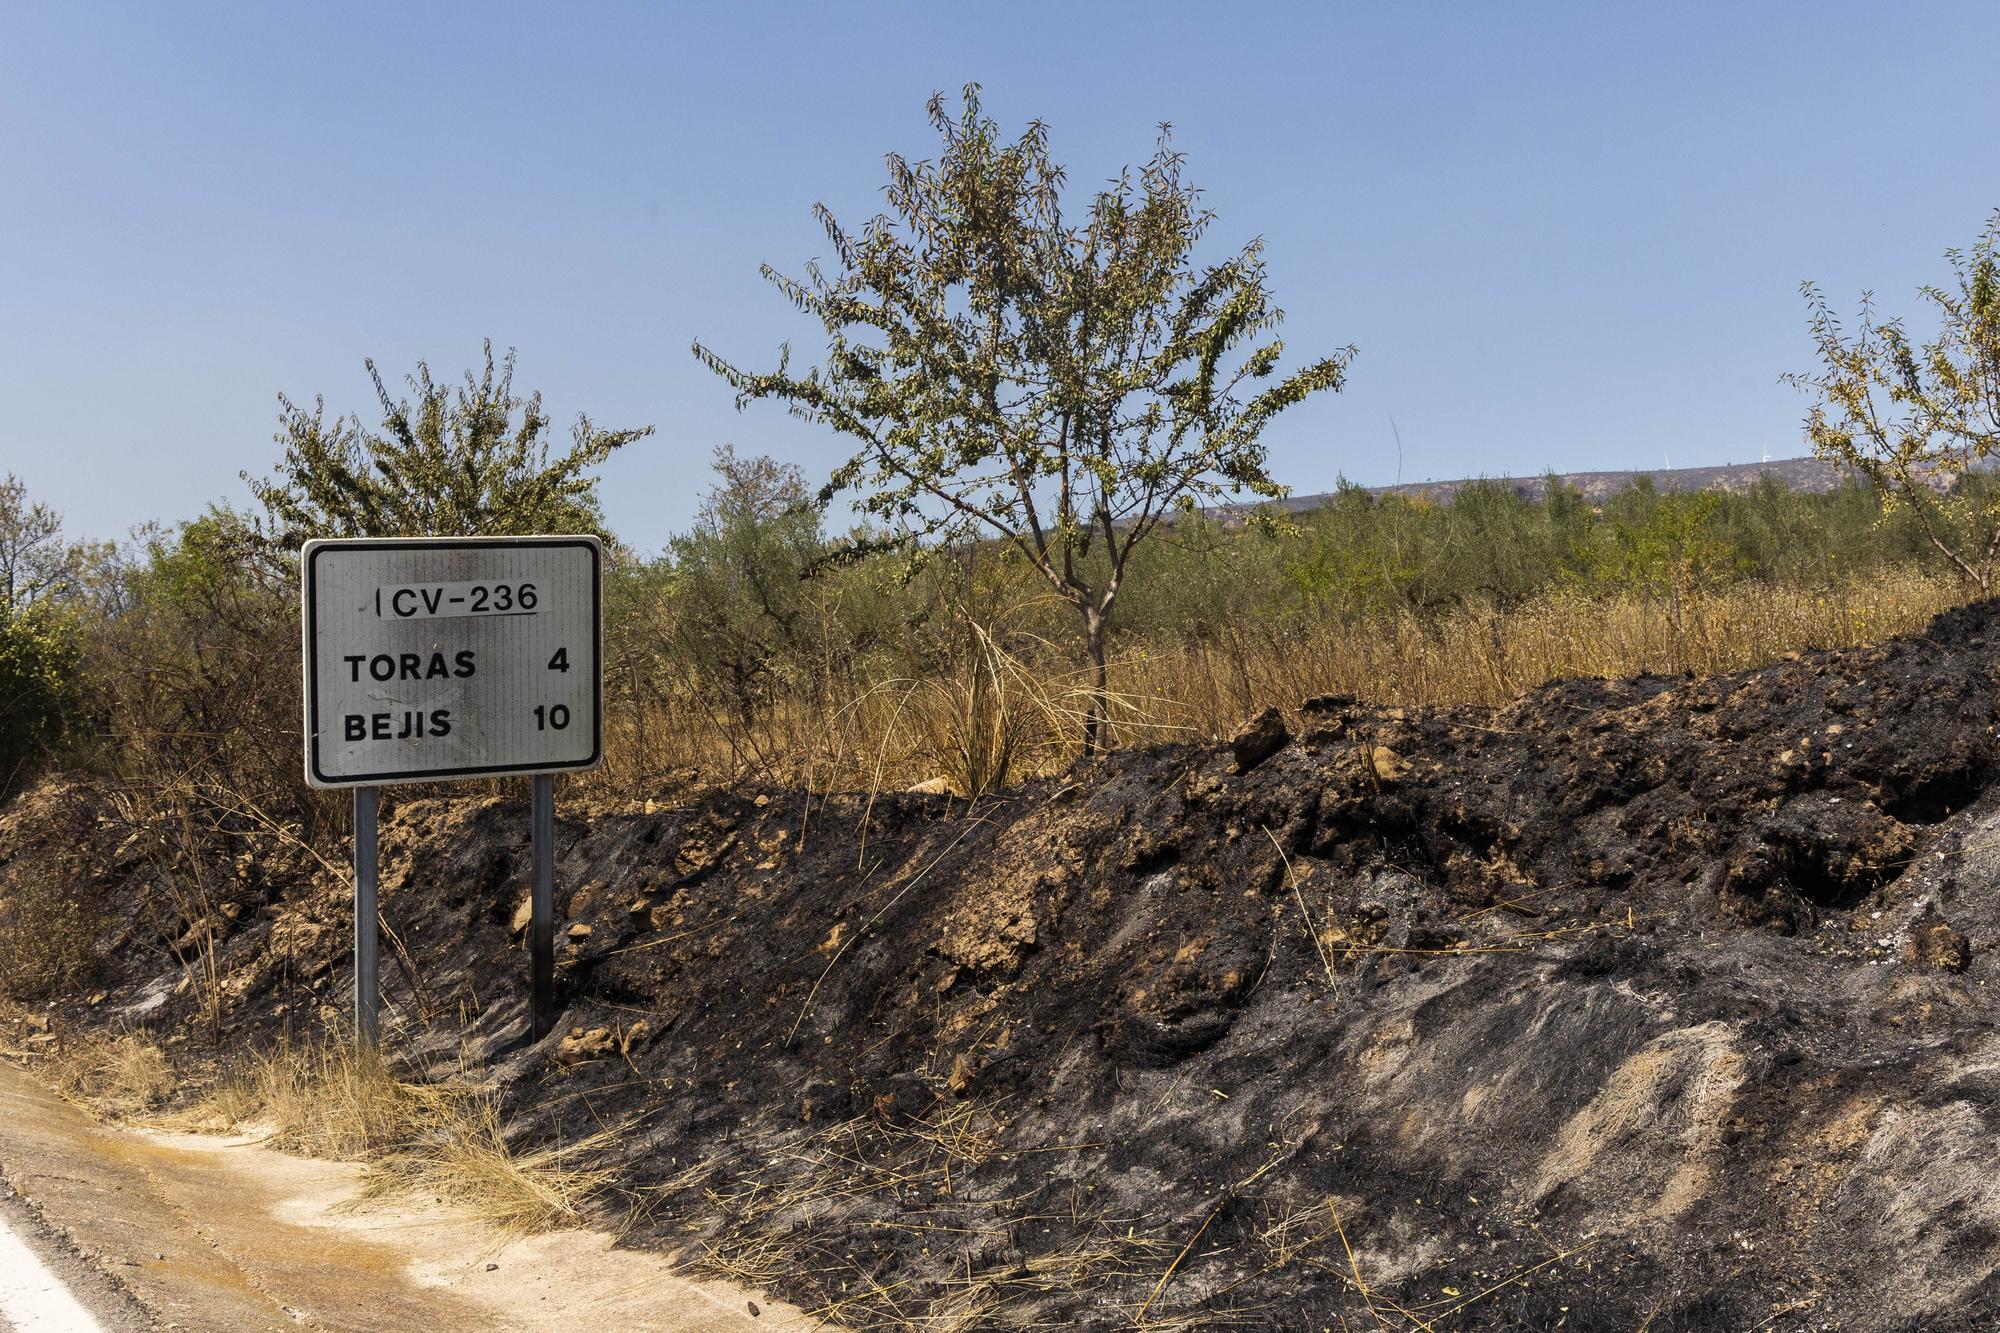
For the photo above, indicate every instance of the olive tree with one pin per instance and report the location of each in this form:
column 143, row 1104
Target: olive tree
column 740, row 576
column 1063, row 386
column 470, row 459
column 1920, row 419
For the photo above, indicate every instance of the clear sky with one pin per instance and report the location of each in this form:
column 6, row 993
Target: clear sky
column 1563, row 236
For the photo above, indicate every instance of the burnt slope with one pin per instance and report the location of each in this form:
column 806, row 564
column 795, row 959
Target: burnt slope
column 1640, row 1003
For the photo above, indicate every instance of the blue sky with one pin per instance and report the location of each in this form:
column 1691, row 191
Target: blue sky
column 1562, row 236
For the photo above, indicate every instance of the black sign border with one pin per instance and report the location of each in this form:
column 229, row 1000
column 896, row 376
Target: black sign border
column 307, row 589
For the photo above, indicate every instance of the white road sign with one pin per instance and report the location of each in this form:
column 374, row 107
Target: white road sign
column 451, row 657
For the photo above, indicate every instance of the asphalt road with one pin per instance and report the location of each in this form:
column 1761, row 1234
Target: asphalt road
column 47, row 1287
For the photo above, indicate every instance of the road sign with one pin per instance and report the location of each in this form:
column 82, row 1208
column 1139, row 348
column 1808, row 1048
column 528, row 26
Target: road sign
column 452, row 657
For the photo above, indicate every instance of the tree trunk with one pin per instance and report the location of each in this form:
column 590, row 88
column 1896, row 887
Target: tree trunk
column 1094, row 727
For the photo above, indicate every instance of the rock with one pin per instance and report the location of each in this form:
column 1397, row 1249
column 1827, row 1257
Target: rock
column 1262, row 738
column 1386, row 763
column 1936, row 946
column 822, row 1099
column 524, row 913
column 754, row 1311
column 902, row 1097
column 493, row 1268
column 637, row 1036
column 579, row 931
column 584, row 897
column 933, row 787
column 963, row 1071
column 581, row 1044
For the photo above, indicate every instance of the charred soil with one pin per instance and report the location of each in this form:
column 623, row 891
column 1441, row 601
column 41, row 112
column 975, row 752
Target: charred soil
column 1653, row 1003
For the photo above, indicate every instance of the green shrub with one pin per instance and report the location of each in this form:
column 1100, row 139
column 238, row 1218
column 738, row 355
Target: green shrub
column 41, row 694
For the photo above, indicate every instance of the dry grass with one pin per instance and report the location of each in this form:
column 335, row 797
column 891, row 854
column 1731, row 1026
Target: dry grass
column 1485, row 654
column 120, row 1077
column 997, row 713
column 440, row 1138
column 464, row 1159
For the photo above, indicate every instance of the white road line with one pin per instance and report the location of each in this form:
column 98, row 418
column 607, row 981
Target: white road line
column 32, row 1299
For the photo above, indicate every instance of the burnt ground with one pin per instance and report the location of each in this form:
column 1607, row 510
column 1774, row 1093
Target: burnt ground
column 1659, row 1003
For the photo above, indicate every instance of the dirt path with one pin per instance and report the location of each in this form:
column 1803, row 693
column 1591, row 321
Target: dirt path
column 215, row 1233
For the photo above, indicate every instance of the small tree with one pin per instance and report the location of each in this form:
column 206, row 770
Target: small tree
column 1011, row 375
column 1921, row 420
column 35, row 562
column 41, row 695
column 474, row 460
column 740, row 576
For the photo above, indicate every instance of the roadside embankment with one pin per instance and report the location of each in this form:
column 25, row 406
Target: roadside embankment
column 1652, row 1003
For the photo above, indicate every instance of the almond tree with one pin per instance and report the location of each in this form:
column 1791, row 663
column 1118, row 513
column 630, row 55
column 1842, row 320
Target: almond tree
column 1921, row 420
column 1064, row 387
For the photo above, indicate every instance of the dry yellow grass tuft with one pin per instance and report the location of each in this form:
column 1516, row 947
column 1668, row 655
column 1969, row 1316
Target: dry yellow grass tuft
column 122, row 1077
column 439, row 1137
column 465, row 1160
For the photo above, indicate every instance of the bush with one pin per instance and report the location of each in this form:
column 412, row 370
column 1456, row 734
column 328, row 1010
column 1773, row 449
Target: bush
column 199, row 676
column 41, row 692
column 49, row 915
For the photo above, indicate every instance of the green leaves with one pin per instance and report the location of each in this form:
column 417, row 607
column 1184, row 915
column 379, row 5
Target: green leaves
column 740, row 579
column 1917, row 419
column 456, row 461
column 41, row 688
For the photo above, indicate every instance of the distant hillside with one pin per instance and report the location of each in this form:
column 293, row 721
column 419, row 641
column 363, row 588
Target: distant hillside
column 1800, row 474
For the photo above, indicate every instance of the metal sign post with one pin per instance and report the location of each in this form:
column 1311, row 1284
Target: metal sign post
column 441, row 658
column 542, row 909
column 367, row 928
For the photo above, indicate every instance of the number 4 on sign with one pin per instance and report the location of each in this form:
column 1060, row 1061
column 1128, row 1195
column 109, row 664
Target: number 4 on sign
column 560, row 662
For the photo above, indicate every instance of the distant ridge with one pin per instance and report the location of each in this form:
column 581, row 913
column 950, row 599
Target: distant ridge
column 1799, row 474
